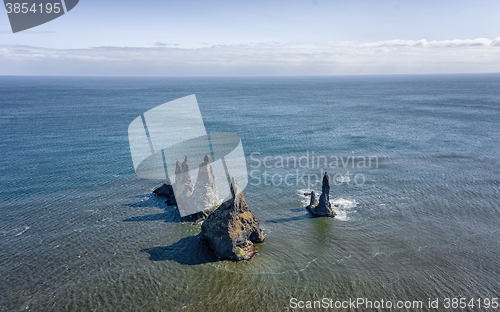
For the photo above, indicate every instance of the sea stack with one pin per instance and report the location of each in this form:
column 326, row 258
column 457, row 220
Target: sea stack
column 206, row 194
column 323, row 208
column 313, row 202
column 232, row 229
column 183, row 185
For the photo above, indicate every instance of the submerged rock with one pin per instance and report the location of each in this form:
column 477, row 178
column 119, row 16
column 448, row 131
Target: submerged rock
column 166, row 190
column 323, row 208
column 232, row 229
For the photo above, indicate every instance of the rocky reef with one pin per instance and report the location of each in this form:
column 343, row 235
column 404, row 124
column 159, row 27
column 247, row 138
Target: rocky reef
column 166, row 190
column 232, row 229
column 323, row 207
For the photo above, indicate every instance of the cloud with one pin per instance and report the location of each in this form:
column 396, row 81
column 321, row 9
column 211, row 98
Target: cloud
column 496, row 42
column 262, row 59
column 162, row 44
column 456, row 43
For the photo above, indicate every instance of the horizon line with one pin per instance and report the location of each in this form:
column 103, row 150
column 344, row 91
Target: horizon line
column 260, row 76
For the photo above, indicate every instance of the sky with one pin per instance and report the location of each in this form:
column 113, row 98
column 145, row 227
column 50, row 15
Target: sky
column 258, row 38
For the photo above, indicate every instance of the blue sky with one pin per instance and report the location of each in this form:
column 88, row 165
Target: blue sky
column 241, row 38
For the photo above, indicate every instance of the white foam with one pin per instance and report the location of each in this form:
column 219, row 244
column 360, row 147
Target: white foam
column 342, row 178
column 342, row 206
column 344, row 203
column 23, row 231
column 306, row 199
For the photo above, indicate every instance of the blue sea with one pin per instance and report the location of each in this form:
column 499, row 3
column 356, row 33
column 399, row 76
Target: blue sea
column 415, row 168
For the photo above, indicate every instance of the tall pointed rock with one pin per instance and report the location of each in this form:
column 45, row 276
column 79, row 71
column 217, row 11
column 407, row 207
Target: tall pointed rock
column 206, row 195
column 232, row 229
column 323, row 208
column 183, row 186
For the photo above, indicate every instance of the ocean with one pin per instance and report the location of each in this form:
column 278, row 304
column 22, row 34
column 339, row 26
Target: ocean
column 415, row 167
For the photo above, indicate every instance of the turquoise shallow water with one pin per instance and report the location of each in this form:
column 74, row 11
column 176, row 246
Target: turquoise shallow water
column 80, row 231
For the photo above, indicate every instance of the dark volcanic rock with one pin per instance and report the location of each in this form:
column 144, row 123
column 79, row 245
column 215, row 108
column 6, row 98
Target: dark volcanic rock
column 313, row 202
column 232, row 229
column 323, row 208
column 166, row 190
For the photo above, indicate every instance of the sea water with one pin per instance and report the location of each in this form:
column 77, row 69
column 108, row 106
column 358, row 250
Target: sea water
column 80, row 231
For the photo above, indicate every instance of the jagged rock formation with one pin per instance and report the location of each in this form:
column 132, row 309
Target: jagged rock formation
column 323, row 208
column 232, row 229
column 166, row 190
column 183, row 185
column 313, row 202
column 205, row 195
column 194, row 203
